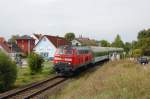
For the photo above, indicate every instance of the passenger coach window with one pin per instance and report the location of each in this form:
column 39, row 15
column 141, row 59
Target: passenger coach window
column 79, row 52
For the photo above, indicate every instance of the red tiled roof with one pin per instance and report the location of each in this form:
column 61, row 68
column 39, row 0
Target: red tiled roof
column 57, row 41
column 2, row 39
column 5, row 46
column 87, row 41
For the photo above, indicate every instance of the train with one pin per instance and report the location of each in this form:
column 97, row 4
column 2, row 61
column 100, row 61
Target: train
column 68, row 59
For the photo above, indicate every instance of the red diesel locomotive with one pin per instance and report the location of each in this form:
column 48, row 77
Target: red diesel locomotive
column 68, row 59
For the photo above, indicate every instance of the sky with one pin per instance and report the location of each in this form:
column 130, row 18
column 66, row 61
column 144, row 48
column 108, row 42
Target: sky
column 96, row 19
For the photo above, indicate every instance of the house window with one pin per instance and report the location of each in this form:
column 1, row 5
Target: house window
column 77, row 44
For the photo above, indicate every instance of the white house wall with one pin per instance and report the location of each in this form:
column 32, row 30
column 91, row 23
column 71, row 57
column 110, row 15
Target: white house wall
column 75, row 42
column 45, row 46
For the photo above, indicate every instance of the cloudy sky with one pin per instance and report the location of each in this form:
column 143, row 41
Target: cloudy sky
column 97, row 19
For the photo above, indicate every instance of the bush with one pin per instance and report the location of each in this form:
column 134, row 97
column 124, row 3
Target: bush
column 35, row 63
column 137, row 52
column 8, row 72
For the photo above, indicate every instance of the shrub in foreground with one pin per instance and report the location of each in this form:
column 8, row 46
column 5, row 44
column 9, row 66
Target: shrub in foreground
column 8, row 72
column 35, row 63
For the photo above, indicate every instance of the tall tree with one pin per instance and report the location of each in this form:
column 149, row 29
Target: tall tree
column 104, row 43
column 70, row 36
column 127, row 47
column 118, row 42
column 144, row 34
column 144, row 41
column 134, row 45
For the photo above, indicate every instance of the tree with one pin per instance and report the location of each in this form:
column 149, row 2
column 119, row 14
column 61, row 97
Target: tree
column 104, row 43
column 118, row 42
column 134, row 45
column 127, row 47
column 13, row 38
column 35, row 63
column 137, row 52
column 143, row 42
column 70, row 36
column 8, row 72
column 144, row 34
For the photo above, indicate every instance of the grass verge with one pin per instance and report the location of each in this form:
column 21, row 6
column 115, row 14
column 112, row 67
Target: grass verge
column 25, row 78
column 115, row 80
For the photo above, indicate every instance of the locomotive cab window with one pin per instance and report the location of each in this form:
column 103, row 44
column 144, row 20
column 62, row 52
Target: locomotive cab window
column 64, row 51
column 68, row 51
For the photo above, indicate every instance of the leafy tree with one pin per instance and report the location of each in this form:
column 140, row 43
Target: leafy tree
column 144, row 41
column 134, row 45
column 35, row 63
column 8, row 72
column 144, row 45
column 104, row 43
column 144, row 34
column 70, row 36
column 127, row 47
column 13, row 38
column 118, row 42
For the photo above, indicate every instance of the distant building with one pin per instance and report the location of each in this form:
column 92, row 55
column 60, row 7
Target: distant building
column 25, row 43
column 4, row 47
column 47, row 45
column 15, row 50
column 81, row 41
column 10, row 49
column 76, row 42
column 2, row 39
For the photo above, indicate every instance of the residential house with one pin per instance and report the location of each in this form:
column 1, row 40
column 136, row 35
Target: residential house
column 10, row 49
column 15, row 50
column 4, row 47
column 84, row 42
column 37, row 37
column 2, row 39
column 76, row 42
column 26, row 43
column 47, row 45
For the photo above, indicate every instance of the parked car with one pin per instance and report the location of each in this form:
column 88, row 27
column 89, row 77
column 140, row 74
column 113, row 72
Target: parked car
column 143, row 60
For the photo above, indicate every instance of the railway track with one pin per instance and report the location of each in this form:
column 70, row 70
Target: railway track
column 35, row 89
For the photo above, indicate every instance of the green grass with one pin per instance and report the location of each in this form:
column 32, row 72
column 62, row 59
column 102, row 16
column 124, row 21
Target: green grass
column 115, row 80
column 25, row 78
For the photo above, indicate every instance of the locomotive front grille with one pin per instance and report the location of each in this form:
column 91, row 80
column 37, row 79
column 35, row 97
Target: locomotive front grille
column 62, row 67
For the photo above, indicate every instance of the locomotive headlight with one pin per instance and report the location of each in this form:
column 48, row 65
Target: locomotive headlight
column 68, row 59
column 57, row 58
